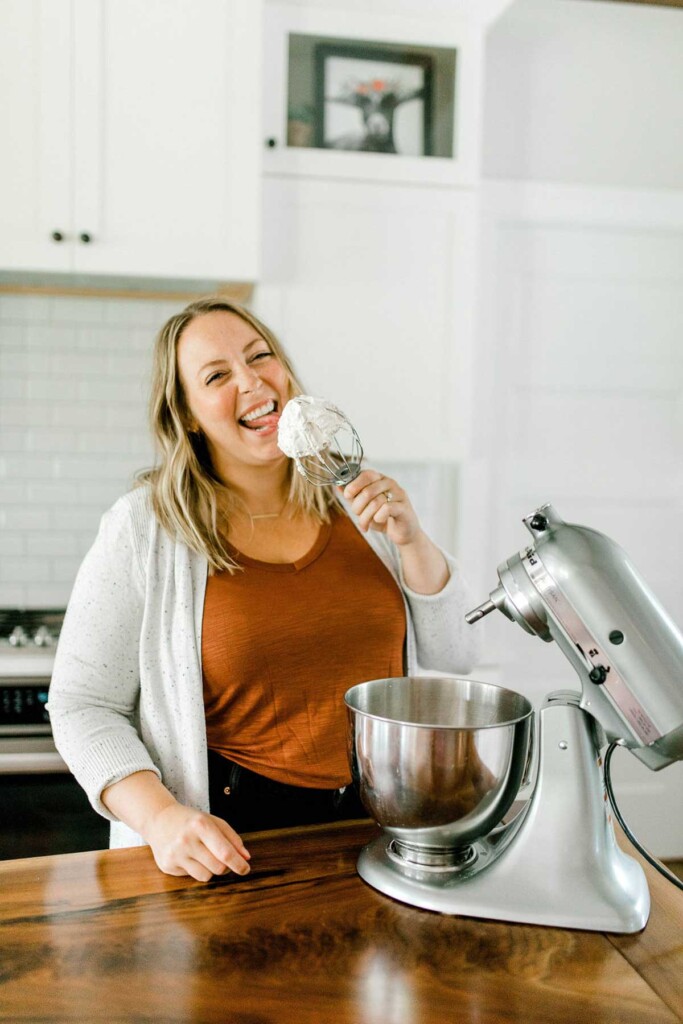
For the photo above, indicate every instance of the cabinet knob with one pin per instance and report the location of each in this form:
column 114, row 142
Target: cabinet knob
column 271, row 142
column 85, row 237
column 57, row 236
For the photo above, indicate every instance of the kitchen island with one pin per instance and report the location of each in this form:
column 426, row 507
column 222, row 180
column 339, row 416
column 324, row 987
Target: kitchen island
column 106, row 937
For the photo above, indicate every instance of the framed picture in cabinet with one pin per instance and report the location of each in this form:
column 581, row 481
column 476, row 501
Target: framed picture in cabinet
column 372, row 100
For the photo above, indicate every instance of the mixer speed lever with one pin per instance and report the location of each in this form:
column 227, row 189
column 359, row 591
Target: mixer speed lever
column 480, row 612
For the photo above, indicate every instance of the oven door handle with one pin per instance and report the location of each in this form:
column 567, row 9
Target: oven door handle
column 29, row 763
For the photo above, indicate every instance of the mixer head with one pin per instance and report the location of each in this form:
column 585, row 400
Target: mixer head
column 322, row 441
column 577, row 587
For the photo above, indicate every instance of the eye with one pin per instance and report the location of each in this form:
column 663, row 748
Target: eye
column 215, row 376
column 260, row 355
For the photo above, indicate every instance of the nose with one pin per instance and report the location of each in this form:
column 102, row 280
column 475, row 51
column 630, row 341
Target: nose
column 247, row 378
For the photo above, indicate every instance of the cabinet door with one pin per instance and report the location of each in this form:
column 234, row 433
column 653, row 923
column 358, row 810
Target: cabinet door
column 36, row 130
column 167, row 137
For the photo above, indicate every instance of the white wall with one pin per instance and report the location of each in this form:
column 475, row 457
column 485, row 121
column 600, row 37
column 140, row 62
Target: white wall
column 370, row 287
column 585, row 92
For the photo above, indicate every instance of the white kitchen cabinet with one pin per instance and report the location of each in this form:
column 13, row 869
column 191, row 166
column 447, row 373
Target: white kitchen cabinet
column 298, row 100
column 131, row 137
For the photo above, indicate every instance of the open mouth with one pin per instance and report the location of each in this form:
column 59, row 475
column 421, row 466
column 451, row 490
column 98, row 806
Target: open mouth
column 262, row 417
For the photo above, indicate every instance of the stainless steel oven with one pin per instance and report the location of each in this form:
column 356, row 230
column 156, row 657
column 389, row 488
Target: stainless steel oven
column 43, row 810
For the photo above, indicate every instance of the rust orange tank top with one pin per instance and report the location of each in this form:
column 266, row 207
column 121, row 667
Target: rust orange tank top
column 281, row 644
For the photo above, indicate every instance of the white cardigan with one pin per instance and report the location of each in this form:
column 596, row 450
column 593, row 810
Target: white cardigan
column 126, row 693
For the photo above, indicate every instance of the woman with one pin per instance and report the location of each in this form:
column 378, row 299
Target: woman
column 225, row 607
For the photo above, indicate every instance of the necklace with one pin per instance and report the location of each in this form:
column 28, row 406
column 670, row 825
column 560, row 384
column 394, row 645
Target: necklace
column 267, row 515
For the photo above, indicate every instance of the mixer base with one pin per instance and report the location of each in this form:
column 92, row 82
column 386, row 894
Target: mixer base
column 557, row 864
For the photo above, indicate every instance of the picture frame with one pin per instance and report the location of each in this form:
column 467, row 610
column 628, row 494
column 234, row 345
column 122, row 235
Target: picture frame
column 373, row 99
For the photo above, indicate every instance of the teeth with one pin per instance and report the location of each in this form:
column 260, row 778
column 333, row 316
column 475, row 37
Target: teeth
column 262, row 410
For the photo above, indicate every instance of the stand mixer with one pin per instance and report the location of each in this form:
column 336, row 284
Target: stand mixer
column 440, row 762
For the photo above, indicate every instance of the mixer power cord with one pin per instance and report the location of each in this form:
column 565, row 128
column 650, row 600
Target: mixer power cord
column 617, row 814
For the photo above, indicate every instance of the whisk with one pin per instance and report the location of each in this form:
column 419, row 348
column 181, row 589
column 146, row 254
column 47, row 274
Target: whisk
column 322, row 441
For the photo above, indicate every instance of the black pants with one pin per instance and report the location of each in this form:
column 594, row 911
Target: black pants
column 252, row 803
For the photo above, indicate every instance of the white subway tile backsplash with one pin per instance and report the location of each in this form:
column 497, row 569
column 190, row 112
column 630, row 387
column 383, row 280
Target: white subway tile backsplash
column 63, row 570
column 102, row 494
column 69, row 468
column 26, row 467
column 41, row 595
column 98, row 442
column 77, row 310
column 12, row 493
column 23, row 569
column 46, row 338
column 48, row 388
column 80, row 519
column 12, row 543
column 49, row 493
column 105, row 389
column 47, row 441
column 12, row 336
column 112, row 339
column 13, row 388
column 136, row 312
column 77, row 364
column 80, row 416
column 12, row 594
column 23, row 414
column 15, row 441
column 120, row 365
column 134, row 442
column 137, row 339
column 125, row 416
column 23, row 468
column 50, row 544
column 25, row 308
column 19, row 517
column 14, row 362
column 74, row 376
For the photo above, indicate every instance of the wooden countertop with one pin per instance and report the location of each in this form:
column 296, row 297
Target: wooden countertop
column 105, row 937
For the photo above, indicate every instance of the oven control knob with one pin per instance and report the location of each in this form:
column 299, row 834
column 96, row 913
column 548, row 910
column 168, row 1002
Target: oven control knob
column 18, row 637
column 43, row 637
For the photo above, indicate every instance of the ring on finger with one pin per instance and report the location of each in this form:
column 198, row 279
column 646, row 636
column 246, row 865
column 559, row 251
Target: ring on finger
column 389, row 496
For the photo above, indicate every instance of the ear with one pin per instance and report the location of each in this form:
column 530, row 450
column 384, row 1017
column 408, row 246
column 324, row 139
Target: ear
column 190, row 424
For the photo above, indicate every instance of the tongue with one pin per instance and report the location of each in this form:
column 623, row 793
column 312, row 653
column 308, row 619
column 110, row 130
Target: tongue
column 264, row 421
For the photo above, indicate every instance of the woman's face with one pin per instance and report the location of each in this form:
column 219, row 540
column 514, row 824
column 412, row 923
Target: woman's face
column 235, row 388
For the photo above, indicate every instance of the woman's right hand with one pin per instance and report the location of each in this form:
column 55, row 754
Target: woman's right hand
column 186, row 841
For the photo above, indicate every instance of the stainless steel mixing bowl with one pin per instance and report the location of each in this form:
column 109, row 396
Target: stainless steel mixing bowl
column 438, row 760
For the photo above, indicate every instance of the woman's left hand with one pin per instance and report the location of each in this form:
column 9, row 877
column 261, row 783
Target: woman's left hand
column 381, row 504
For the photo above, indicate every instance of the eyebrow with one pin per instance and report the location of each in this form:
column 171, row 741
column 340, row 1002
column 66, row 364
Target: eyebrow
column 220, row 362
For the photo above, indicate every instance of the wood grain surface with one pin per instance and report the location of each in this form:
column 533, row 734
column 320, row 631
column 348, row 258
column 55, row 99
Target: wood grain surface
column 239, row 291
column 106, row 937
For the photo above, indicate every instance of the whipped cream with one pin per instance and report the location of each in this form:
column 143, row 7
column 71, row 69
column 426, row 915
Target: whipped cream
column 308, row 425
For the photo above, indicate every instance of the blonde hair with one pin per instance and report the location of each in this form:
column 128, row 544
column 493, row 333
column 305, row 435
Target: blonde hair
column 185, row 488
